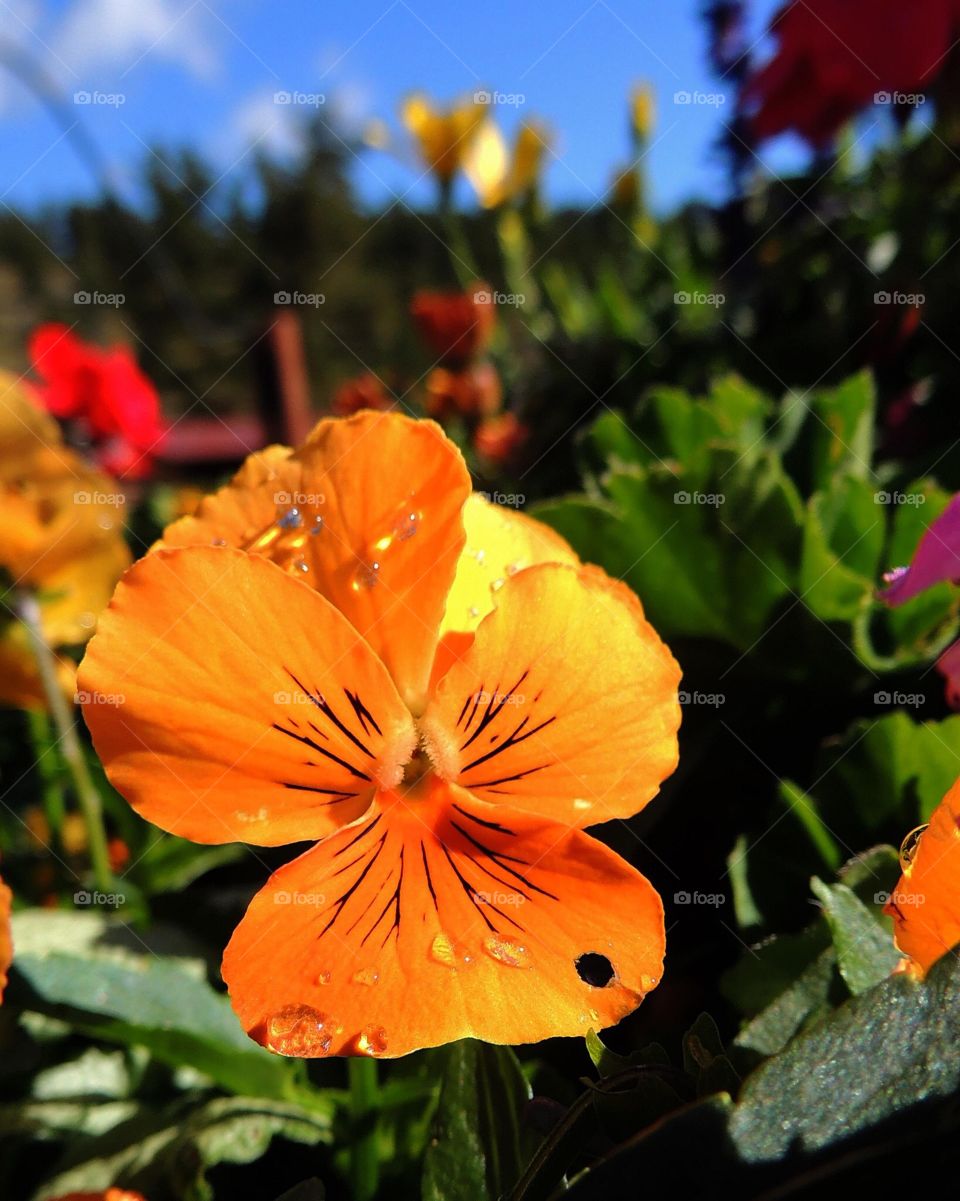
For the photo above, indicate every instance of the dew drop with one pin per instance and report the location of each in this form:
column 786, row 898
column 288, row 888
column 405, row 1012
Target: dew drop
column 219, row 542
column 648, row 983
column 504, row 951
column 291, row 520
column 317, row 525
column 323, row 978
column 473, row 611
column 301, row 565
column 366, row 576
column 105, row 523
column 908, row 848
column 372, row 1040
column 406, row 526
column 447, row 953
column 87, row 620
column 497, row 584
column 299, row 1030
column 480, row 556
column 513, row 568
column 366, row 975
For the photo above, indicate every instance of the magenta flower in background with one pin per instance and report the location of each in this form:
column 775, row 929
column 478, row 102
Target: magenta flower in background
column 935, row 561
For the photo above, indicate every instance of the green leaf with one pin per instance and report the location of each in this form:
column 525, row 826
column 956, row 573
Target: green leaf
column 169, row 1153
column 843, row 538
column 843, row 430
column 864, row 947
column 887, row 1049
column 607, row 1062
column 477, row 1150
column 889, row 770
column 113, row 993
column 806, row 999
column 170, row 863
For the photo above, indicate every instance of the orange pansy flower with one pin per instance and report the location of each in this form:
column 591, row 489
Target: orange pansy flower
column 60, row 535
column 345, row 646
column 6, row 942
column 925, row 906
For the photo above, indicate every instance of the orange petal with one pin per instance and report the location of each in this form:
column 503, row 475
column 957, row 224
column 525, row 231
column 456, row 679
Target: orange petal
column 25, row 427
column 500, row 542
column 368, row 513
column 437, row 918
column 566, row 703
column 110, row 1194
column 925, row 906
column 6, row 942
column 228, row 702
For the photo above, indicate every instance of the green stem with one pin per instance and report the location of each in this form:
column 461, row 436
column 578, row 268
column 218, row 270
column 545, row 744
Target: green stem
column 364, row 1160
column 87, row 796
column 42, row 739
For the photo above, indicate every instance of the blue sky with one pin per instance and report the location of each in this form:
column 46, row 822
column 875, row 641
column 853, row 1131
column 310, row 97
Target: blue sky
column 203, row 73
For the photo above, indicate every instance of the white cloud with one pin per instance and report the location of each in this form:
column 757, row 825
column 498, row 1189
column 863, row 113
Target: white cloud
column 121, row 35
column 276, row 129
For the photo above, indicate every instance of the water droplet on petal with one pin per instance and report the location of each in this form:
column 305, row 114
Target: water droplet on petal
column 372, row 1040
column 648, row 983
column 219, row 542
column 291, row 520
column 505, row 951
column 299, row 1030
column 366, row 975
column 323, row 978
column 301, row 565
column 445, row 951
column 317, row 525
column 366, row 576
column 513, row 568
column 480, row 556
column 105, row 523
column 87, row 620
column 473, row 611
column 497, row 584
column 891, row 577
column 908, row 848
column 406, row 526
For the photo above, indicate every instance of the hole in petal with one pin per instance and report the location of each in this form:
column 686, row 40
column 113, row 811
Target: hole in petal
column 594, row 969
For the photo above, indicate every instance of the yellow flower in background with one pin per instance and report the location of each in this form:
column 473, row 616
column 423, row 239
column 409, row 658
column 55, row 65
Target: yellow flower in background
column 496, row 174
column 443, row 136
column 61, row 537
column 643, row 111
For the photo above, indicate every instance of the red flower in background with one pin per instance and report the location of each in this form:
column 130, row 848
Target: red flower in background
column 455, row 325
column 475, row 391
column 499, row 439
column 104, row 393
column 835, row 56
column 365, row 391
